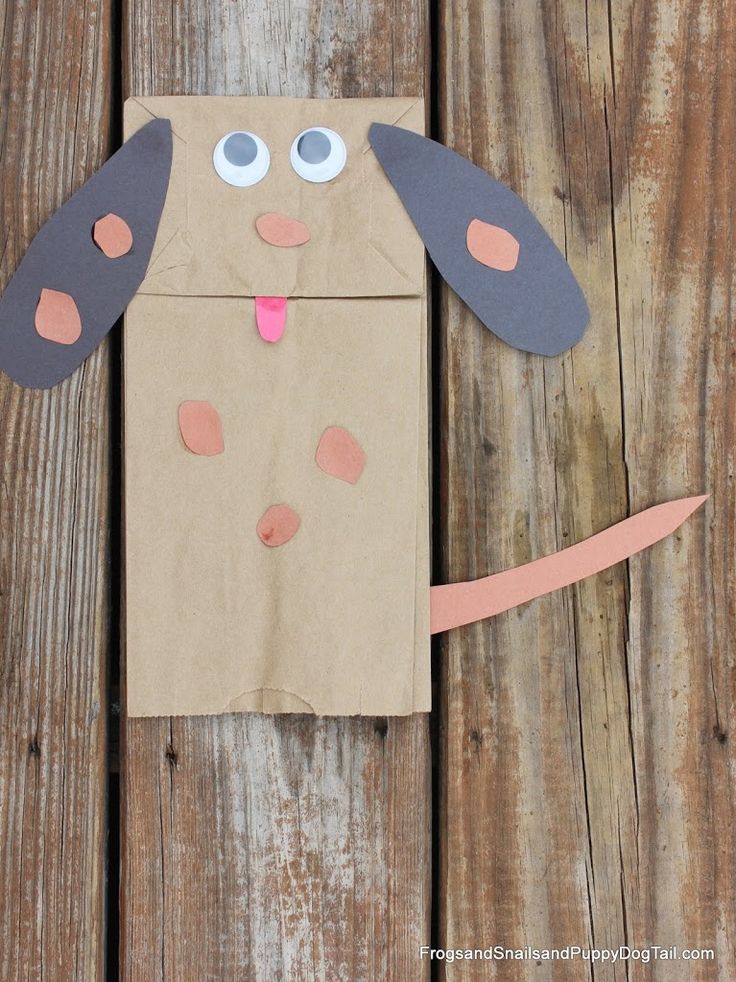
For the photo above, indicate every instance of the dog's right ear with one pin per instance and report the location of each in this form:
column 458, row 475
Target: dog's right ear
column 86, row 263
column 485, row 243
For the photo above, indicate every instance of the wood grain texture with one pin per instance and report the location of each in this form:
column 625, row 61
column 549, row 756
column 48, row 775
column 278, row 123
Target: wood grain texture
column 55, row 118
column 587, row 763
column 261, row 847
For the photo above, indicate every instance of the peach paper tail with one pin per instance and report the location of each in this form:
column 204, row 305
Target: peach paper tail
column 456, row 604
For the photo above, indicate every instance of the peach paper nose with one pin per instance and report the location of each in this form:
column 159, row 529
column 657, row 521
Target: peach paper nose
column 280, row 230
column 277, row 525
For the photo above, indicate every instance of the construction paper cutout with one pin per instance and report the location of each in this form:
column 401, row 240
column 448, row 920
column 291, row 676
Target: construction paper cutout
column 340, row 455
column 270, row 317
column 63, row 257
column 112, row 234
column 277, row 525
column 280, row 230
column 201, row 428
column 57, row 317
column 492, row 246
column 538, row 306
column 456, row 604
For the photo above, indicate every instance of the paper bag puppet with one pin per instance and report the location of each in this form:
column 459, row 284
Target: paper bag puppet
column 269, row 255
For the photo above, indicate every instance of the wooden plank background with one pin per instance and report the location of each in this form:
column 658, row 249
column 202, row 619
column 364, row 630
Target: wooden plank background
column 55, row 131
column 583, row 789
column 586, row 779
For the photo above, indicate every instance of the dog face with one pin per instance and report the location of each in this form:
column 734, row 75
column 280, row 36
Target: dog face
column 281, row 198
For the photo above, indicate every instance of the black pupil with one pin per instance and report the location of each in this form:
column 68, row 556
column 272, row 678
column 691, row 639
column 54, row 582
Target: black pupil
column 314, row 147
column 240, row 149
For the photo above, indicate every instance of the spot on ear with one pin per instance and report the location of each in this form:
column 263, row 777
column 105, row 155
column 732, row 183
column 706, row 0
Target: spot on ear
column 340, row 455
column 57, row 317
column 277, row 525
column 492, row 245
column 201, row 428
column 112, row 236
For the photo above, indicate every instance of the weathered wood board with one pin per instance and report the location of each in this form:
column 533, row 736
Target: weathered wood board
column 586, row 759
column 262, row 847
column 55, row 123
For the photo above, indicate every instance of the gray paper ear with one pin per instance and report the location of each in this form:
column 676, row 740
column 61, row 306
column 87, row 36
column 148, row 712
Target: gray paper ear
column 485, row 243
column 86, row 263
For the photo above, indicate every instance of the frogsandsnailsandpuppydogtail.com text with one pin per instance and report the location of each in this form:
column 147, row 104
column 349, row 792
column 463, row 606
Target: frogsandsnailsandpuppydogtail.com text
column 569, row 953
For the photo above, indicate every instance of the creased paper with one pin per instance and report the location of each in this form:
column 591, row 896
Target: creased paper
column 331, row 615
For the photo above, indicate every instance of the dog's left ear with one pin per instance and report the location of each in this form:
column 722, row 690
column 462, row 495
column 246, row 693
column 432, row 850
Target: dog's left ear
column 485, row 242
column 86, row 263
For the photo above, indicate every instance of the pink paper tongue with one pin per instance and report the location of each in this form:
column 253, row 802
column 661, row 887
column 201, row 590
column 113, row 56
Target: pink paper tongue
column 271, row 317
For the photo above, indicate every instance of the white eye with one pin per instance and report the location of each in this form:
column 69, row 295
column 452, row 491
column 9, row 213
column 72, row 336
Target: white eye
column 241, row 158
column 318, row 154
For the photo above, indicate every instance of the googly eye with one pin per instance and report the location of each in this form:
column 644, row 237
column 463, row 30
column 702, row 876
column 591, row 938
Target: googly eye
column 318, row 154
column 241, row 158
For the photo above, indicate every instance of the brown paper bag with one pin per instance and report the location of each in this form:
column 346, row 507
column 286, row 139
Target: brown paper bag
column 335, row 621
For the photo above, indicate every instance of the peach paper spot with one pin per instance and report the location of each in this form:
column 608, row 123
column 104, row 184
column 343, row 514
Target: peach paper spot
column 491, row 245
column 57, row 317
column 340, row 455
column 277, row 525
column 201, row 428
column 112, row 236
